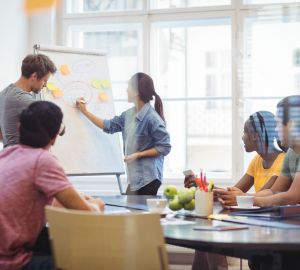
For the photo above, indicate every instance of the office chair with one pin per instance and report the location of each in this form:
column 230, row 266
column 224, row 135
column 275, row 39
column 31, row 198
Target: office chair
column 83, row 240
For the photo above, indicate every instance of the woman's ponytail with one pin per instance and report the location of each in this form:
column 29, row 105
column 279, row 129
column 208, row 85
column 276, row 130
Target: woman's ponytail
column 158, row 105
column 143, row 83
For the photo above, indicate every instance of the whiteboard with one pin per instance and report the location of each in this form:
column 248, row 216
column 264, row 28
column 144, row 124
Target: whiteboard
column 84, row 148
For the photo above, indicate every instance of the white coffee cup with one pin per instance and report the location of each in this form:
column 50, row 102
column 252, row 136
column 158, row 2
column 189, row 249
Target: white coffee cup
column 244, row 201
column 156, row 205
column 204, row 203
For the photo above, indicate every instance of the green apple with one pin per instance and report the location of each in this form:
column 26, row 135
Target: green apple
column 190, row 205
column 175, row 204
column 193, row 189
column 185, row 195
column 170, row 192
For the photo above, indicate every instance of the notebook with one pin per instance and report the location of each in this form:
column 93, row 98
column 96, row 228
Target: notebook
column 276, row 212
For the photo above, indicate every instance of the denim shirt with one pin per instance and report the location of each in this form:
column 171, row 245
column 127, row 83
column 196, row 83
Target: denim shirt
column 142, row 131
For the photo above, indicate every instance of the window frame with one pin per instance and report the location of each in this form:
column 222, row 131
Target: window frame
column 237, row 11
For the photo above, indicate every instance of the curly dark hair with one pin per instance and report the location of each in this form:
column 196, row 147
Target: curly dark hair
column 40, row 123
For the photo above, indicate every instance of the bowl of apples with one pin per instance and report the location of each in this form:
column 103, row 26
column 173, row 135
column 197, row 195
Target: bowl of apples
column 180, row 199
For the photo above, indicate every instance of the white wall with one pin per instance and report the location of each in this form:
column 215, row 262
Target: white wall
column 42, row 27
column 14, row 40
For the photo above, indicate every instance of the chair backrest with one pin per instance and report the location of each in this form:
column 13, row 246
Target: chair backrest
column 84, row 240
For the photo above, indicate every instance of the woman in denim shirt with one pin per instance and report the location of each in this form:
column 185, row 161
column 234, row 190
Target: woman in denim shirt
column 146, row 140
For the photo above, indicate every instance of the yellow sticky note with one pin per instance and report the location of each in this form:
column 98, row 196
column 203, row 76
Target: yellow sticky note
column 51, row 86
column 105, row 84
column 102, row 97
column 33, row 5
column 64, row 69
column 96, row 83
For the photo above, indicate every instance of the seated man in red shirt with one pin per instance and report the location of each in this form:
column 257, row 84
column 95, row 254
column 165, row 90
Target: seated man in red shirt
column 31, row 178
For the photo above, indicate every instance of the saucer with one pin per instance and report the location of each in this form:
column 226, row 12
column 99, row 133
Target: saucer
column 236, row 207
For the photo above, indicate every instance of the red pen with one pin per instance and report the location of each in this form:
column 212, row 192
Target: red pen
column 204, row 183
column 199, row 183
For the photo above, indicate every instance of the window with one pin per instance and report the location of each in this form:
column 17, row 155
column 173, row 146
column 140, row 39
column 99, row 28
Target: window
column 187, row 3
column 260, row 2
column 271, row 56
column 190, row 59
column 78, row 6
column 214, row 62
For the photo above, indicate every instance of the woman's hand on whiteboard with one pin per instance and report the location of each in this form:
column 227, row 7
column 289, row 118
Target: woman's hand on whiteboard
column 81, row 104
column 132, row 157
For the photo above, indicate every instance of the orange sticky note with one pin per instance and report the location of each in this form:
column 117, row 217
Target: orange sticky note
column 57, row 93
column 33, row 5
column 64, row 69
column 102, row 96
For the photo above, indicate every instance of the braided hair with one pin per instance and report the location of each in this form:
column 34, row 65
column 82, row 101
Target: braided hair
column 264, row 124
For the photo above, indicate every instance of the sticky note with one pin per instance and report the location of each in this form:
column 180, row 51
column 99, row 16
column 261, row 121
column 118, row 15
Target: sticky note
column 51, row 86
column 57, row 93
column 33, row 5
column 102, row 97
column 64, row 69
column 105, row 84
column 96, row 83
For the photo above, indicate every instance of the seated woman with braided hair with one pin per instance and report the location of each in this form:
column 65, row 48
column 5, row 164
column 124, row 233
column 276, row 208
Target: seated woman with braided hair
column 259, row 136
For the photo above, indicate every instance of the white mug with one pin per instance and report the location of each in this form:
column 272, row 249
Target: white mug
column 157, row 205
column 244, row 201
column 204, row 203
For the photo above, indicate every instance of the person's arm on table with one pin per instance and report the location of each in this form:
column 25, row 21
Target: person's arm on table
column 227, row 197
column 281, row 193
column 292, row 196
column 245, row 183
column 281, row 184
column 71, row 199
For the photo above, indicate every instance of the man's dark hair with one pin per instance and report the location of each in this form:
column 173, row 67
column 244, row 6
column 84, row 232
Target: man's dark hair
column 40, row 123
column 39, row 63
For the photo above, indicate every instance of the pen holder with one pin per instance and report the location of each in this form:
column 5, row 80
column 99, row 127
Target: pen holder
column 204, row 202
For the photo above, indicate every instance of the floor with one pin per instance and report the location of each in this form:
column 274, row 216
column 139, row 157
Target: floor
column 182, row 259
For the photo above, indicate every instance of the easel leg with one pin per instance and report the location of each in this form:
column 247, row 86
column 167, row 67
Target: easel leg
column 120, row 185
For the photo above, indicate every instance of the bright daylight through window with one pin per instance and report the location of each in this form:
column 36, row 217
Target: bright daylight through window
column 213, row 63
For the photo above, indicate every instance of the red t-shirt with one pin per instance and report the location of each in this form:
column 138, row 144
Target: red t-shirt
column 29, row 179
